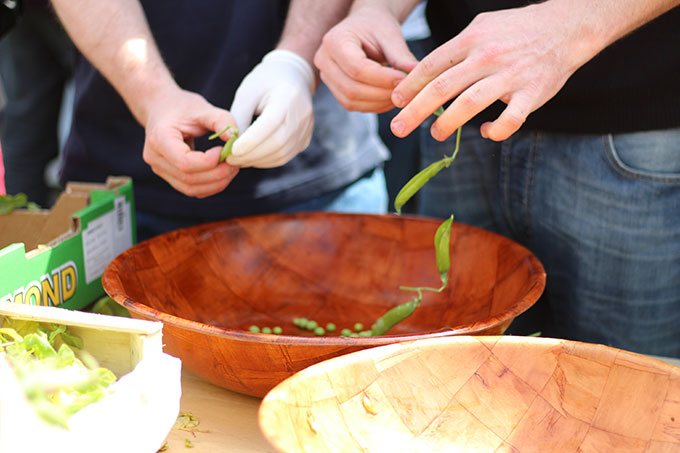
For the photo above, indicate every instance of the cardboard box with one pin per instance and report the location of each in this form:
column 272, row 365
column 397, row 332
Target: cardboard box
column 56, row 257
column 138, row 414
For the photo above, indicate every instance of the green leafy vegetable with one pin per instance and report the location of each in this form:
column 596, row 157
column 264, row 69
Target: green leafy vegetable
column 9, row 203
column 56, row 383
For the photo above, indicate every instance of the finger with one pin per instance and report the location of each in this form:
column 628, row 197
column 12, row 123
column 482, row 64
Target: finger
column 433, row 65
column 466, row 105
column 243, row 109
column 263, row 135
column 350, row 57
column 398, row 55
column 163, row 168
column 207, row 189
column 357, row 96
column 286, row 154
column 448, row 85
column 213, row 119
column 169, row 145
column 276, row 147
column 199, row 185
column 510, row 120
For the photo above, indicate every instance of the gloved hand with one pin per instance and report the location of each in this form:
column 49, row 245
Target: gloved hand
column 279, row 90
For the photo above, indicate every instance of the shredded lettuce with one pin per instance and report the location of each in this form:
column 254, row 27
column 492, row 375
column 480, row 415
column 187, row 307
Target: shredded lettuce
column 55, row 381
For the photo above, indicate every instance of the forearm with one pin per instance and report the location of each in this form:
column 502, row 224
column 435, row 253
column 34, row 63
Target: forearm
column 115, row 38
column 600, row 23
column 307, row 22
column 400, row 9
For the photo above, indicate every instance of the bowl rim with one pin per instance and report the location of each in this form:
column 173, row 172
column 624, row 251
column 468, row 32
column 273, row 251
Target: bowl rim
column 113, row 288
column 646, row 362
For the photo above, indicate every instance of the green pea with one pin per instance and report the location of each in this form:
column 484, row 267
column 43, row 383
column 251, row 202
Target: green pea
column 394, row 316
column 358, row 327
column 416, row 182
column 345, row 332
column 277, row 330
column 366, row 333
column 266, row 330
column 319, row 331
column 311, row 325
column 442, row 245
column 330, row 327
column 254, row 329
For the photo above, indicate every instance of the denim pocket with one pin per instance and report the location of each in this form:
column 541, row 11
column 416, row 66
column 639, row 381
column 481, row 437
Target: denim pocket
column 652, row 156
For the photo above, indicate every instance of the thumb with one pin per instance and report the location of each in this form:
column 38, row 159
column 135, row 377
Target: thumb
column 244, row 107
column 400, row 57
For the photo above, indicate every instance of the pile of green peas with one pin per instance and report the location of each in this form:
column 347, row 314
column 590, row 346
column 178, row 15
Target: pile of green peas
column 310, row 324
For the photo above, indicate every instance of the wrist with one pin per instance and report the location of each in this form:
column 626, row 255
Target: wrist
column 149, row 98
column 148, row 95
column 582, row 35
column 399, row 9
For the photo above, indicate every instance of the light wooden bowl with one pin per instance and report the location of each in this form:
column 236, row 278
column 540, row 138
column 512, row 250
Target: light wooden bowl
column 209, row 283
column 487, row 394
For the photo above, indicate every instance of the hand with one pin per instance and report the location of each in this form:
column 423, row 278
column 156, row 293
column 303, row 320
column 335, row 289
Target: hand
column 171, row 125
column 279, row 90
column 520, row 56
column 358, row 57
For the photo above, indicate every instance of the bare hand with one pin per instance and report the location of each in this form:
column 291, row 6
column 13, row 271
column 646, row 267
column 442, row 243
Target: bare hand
column 171, row 126
column 355, row 58
column 520, row 56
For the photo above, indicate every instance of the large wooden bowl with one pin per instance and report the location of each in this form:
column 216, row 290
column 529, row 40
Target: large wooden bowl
column 209, row 283
column 486, row 394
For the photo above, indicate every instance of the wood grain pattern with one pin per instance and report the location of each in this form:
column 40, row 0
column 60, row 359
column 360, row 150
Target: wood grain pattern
column 209, row 283
column 469, row 393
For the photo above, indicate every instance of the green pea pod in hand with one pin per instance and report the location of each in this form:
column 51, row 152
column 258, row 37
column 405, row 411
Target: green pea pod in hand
column 217, row 134
column 394, row 316
column 442, row 245
column 418, row 181
column 226, row 149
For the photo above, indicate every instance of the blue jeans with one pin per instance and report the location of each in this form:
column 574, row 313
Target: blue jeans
column 601, row 212
column 367, row 195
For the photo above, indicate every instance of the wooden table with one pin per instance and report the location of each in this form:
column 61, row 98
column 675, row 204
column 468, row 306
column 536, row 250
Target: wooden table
column 228, row 420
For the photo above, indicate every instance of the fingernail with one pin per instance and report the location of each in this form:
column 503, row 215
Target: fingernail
column 398, row 127
column 434, row 132
column 397, row 99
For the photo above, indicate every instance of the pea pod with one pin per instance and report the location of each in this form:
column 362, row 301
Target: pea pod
column 217, row 134
column 442, row 245
column 226, row 149
column 394, row 316
column 418, row 181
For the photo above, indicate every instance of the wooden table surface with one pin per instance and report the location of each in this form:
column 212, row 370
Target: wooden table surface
column 227, row 420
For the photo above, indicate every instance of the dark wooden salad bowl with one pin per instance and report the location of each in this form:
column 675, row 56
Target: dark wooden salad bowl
column 209, row 283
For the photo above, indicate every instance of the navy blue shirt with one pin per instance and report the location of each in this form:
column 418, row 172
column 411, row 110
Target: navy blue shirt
column 209, row 46
column 632, row 85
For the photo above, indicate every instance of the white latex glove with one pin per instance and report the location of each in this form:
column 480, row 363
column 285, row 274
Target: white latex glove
column 279, row 90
